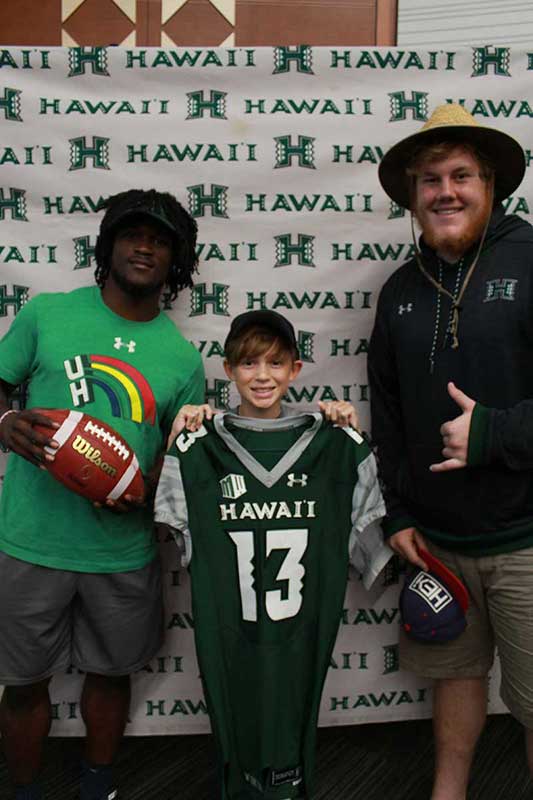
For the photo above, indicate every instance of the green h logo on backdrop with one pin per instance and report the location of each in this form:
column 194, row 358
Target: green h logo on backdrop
column 302, row 250
column 306, row 343
column 95, row 58
column 15, row 203
column 304, row 151
column 395, row 211
column 218, row 391
column 83, row 252
column 10, row 104
column 15, row 300
column 498, row 60
column 199, row 200
column 81, row 152
column 391, row 659
column 400, row 105
column 301, row 57
column 217, row 298
column 197, row 104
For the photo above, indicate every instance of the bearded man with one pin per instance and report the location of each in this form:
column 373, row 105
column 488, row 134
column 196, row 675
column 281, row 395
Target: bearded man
column 451, row 375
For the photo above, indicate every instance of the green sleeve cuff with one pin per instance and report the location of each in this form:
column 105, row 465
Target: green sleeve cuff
column 392, row 526
column 478, row 436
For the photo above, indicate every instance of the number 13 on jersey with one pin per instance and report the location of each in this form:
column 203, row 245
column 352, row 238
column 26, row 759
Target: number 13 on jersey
column 278, row 607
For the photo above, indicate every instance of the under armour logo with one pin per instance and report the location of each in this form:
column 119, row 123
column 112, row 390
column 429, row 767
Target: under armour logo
column 406, row 309
column 119, row 343
column 292, row 480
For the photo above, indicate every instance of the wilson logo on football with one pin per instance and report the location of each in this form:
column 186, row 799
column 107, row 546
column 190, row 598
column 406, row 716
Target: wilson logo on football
column 91, row 459
column 82, row 446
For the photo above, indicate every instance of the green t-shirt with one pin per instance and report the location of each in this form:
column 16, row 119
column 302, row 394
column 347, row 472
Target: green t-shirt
column 76, row 353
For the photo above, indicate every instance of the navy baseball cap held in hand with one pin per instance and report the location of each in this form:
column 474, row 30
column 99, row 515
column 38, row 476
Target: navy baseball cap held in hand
column 433, row 603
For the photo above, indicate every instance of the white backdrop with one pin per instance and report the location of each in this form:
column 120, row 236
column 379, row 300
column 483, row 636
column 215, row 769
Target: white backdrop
column 275, row 152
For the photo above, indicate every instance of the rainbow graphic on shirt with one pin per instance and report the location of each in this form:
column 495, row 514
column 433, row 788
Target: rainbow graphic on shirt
column 127, row 390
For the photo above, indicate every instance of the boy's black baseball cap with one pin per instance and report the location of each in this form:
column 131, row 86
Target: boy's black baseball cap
column 264, row 319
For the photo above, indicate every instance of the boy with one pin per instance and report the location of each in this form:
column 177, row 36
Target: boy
column 270, row 507
column 262, row 358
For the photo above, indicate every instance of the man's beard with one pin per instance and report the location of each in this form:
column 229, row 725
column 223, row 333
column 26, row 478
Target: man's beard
column 457, row 244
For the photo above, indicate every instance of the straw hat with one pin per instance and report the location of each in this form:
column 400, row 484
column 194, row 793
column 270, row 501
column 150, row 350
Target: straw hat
column 451, row 122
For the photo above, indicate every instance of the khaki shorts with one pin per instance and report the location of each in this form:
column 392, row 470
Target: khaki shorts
column 500, row 615
column 107, row 623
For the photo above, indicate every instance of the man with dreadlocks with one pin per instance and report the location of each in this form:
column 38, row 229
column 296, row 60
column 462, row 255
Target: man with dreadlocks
column 80, row 584
column 451, row 375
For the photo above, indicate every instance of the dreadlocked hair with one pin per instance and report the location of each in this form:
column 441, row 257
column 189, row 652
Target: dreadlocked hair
column 184, row 258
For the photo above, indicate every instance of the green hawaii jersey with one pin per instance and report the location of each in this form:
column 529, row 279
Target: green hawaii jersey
column 76, row 353
column 269, row 513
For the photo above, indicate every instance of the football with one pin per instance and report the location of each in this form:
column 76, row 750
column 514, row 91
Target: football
column 92, row 459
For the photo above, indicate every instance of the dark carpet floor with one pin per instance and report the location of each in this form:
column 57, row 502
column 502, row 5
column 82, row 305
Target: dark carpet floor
column 363, row 762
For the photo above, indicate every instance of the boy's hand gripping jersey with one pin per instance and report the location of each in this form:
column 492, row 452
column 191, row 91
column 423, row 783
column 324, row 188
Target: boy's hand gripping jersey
column 270, row 513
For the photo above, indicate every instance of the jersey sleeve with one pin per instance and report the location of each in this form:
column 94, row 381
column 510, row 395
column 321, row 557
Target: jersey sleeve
column 368, row 551
column 19, row 345
column 170, row 506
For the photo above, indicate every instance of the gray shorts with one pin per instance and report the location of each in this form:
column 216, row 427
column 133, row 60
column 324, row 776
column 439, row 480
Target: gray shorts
column 500, row 615
column 50, row 619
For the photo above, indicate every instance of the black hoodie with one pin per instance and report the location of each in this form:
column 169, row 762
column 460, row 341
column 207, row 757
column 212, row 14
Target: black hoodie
column 486, row 507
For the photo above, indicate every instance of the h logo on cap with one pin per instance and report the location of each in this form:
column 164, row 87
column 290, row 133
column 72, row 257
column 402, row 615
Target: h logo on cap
column 431, row 591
